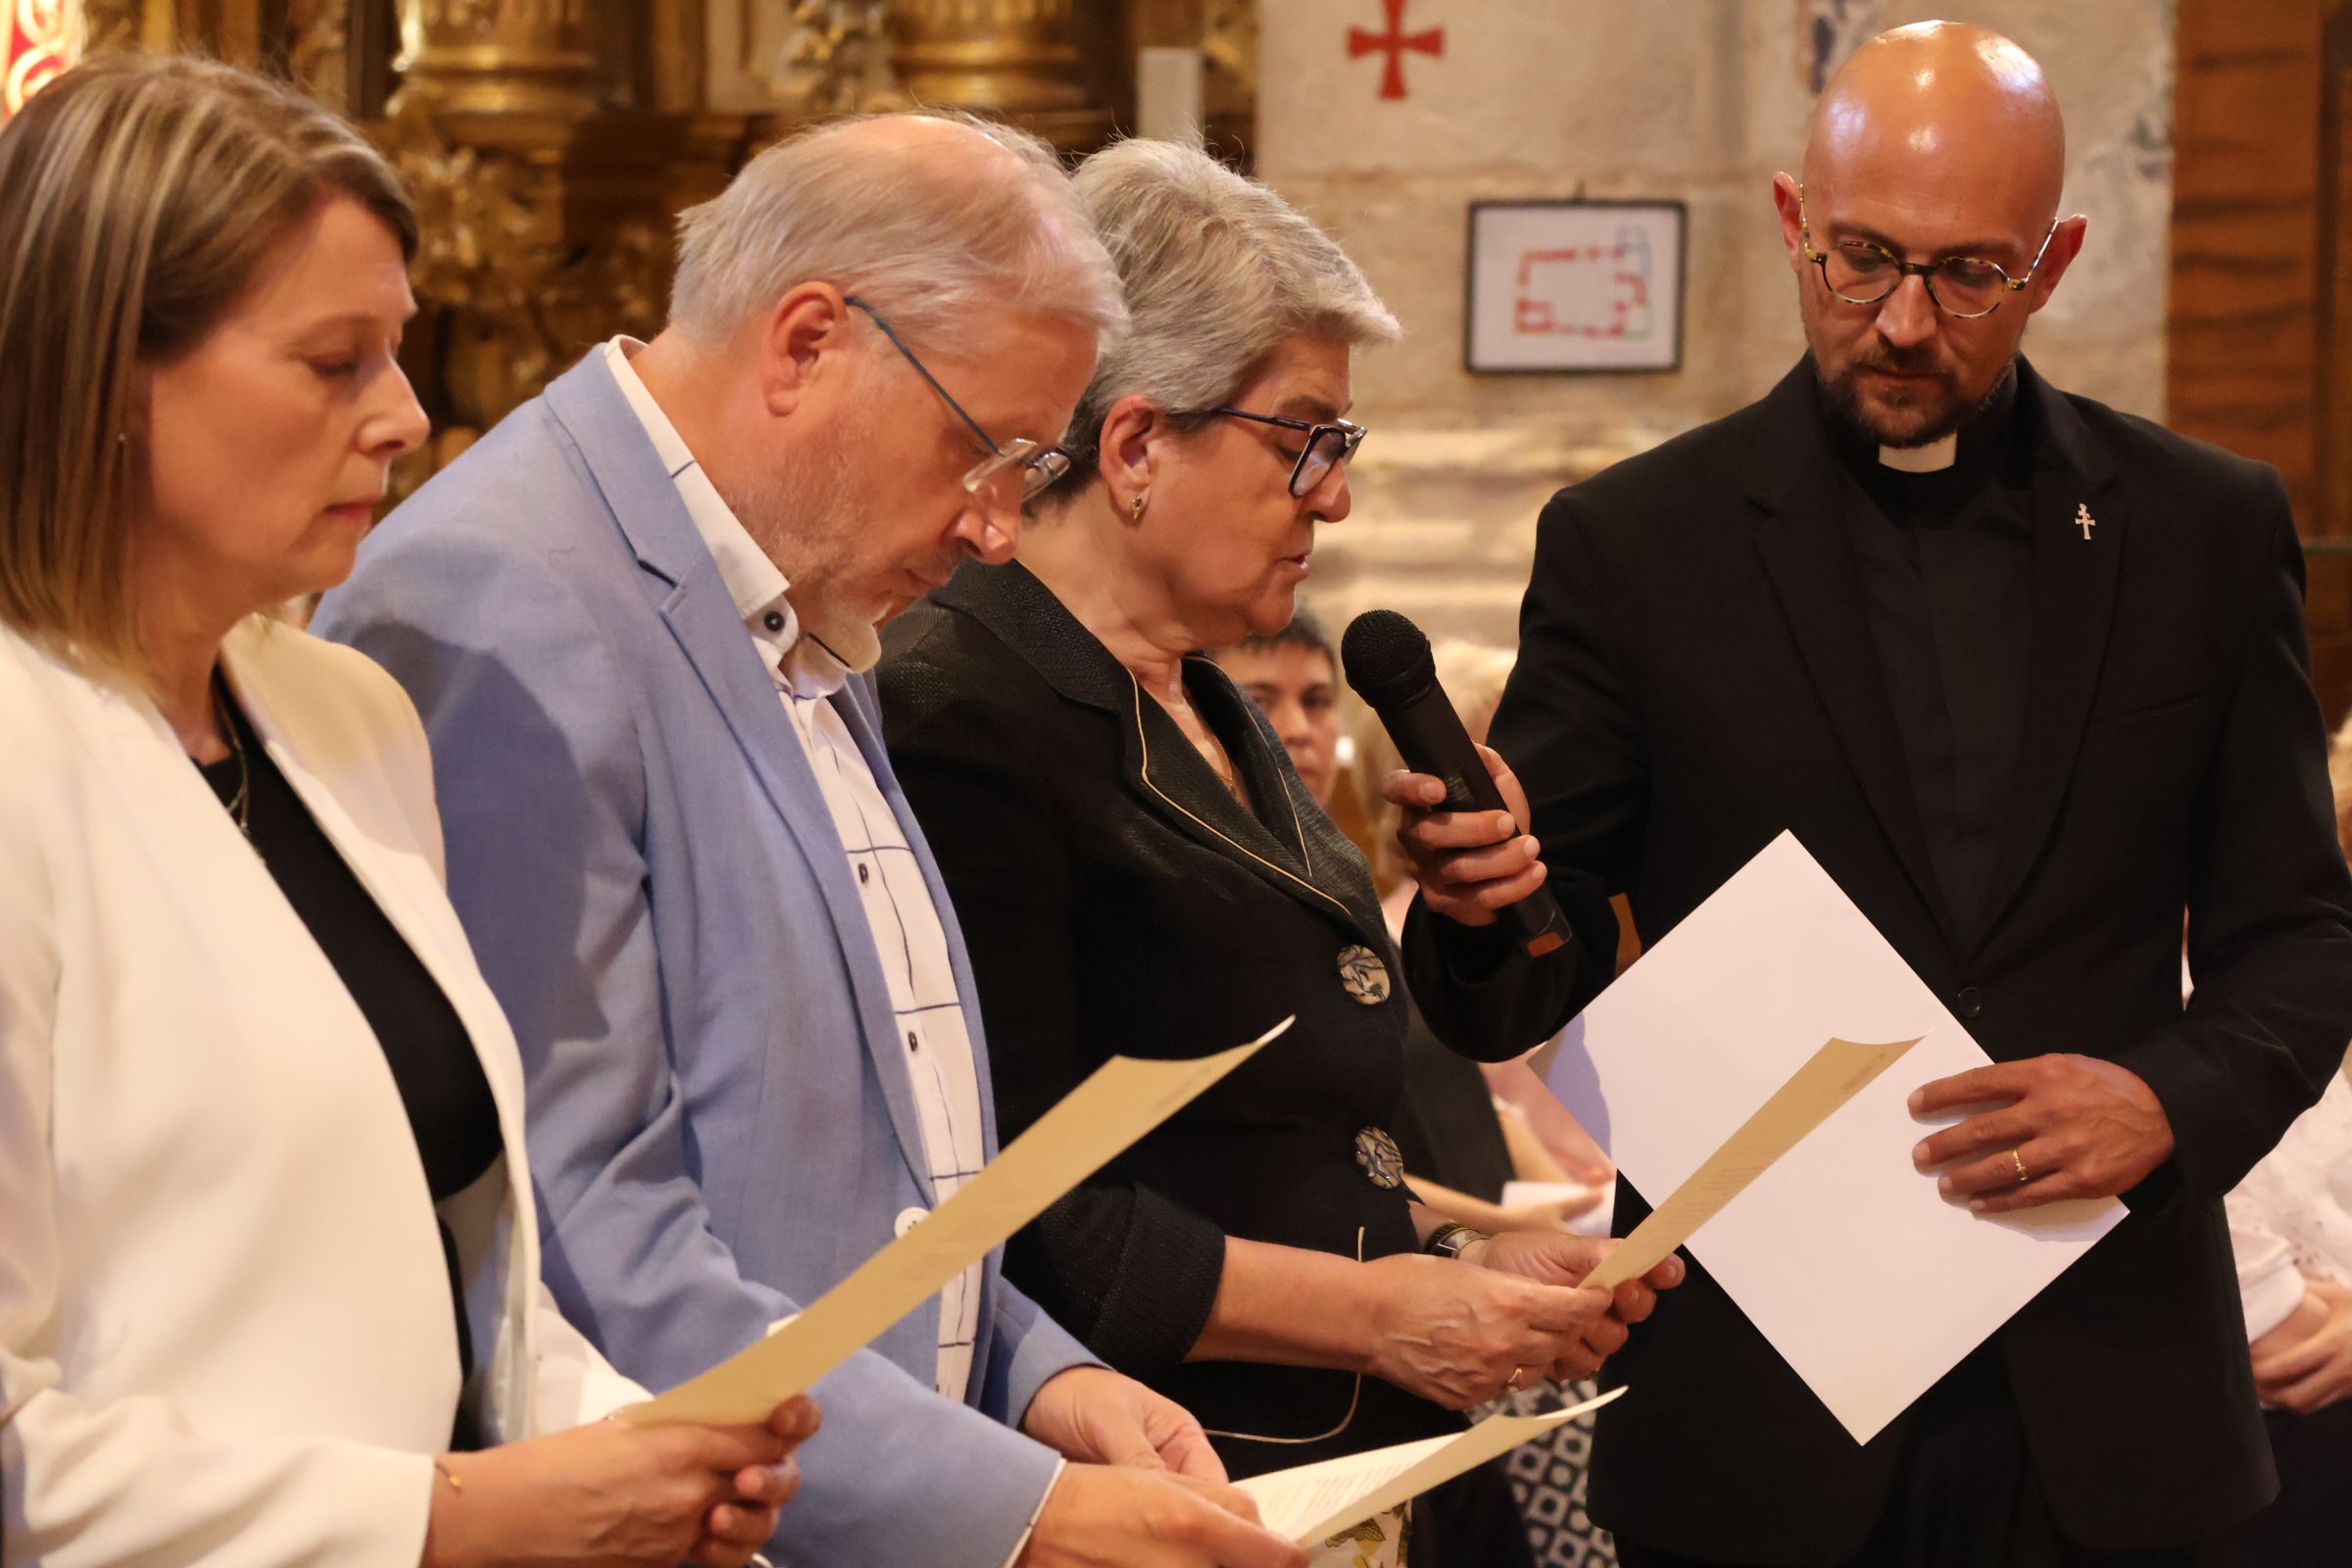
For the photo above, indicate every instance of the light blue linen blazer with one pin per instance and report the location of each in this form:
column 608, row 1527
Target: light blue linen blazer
column 720, row 1121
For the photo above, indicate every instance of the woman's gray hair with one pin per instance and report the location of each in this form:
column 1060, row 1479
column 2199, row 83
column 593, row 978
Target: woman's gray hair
column 1219, row 272
column 930, row 239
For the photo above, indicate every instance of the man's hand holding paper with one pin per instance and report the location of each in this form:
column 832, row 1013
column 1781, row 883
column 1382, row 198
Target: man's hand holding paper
column 1093, row 1415
column 2048, row 1129
column 1098, row 1517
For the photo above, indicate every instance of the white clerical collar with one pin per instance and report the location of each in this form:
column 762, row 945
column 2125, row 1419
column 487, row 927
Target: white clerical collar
column 1932, row 458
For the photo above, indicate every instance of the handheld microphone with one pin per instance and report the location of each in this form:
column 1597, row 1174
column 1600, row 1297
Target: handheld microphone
column 1387, row 662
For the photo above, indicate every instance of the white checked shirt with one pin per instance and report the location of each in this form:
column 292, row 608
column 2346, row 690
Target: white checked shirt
column 901, row 917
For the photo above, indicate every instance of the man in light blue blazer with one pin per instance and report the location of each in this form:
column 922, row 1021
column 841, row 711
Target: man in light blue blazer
column 635, row 619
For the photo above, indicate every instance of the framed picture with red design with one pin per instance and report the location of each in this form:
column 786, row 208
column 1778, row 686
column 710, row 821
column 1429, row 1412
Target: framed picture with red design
column 1558, row 287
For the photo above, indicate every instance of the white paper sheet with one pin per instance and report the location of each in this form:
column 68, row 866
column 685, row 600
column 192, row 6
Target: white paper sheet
column 1313, row 1503
column 1834, row 1075
column 1846, row 1258
column 1125, row 1099
column 1593, row 1222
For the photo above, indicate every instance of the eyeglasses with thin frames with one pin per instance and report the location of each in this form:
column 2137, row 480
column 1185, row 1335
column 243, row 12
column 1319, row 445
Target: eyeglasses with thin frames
column 1039, row 466
column 1963, row 287
column 1328, row 445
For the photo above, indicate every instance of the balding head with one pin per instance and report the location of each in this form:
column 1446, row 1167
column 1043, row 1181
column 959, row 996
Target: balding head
column 1941, row 103
column 944, row 221
column 1934, row 143
column 877, row 330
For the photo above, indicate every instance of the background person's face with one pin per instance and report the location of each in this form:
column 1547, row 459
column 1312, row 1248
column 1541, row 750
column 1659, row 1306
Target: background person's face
column 1298, row 692
column 269, row 441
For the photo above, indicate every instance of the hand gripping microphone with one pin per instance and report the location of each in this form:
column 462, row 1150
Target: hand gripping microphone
column 1388, row 663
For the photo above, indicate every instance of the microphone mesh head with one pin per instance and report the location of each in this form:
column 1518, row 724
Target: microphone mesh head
column 1386, row 657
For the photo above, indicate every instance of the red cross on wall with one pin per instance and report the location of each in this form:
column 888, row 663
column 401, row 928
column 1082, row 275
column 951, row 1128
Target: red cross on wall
column 1394, row 43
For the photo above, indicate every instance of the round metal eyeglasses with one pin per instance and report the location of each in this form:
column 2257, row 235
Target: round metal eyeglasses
column 1860, row 271
column 1039, row 467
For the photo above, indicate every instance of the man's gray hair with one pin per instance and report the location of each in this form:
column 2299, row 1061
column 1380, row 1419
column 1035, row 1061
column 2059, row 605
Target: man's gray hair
column 1219, row 272
column 932, row 241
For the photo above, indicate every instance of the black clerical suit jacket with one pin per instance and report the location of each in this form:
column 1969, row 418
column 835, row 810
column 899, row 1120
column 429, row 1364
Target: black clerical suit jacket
column 1696, row 675
column 1116, row 897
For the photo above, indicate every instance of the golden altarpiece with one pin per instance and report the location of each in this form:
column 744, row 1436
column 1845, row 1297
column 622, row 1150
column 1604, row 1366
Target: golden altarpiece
column 549, row 143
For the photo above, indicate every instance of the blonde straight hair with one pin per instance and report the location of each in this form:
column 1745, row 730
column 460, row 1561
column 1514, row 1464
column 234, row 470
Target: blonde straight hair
column 138, row 195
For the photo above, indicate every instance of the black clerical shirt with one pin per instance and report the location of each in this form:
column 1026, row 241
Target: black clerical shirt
column 1946, row 565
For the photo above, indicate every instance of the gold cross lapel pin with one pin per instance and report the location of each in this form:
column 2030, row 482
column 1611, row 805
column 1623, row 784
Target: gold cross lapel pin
column 2085, row 520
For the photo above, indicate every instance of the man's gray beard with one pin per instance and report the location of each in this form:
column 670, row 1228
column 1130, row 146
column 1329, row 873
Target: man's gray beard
column 1844, row 400
column 805, row 522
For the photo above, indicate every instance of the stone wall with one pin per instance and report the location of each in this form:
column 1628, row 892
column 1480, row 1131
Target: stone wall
column 1697, row 100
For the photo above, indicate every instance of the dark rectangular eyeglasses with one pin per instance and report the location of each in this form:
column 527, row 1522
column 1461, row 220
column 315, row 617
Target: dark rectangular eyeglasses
column 1328, row 445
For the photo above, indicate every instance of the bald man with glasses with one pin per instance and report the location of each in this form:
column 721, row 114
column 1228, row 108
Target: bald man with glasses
column 2028, row 676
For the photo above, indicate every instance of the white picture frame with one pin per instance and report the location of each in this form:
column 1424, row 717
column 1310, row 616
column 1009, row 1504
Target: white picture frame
column 1563, row 287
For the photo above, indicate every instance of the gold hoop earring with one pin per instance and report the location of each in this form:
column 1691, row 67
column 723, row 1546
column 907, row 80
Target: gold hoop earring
column 1135, row 508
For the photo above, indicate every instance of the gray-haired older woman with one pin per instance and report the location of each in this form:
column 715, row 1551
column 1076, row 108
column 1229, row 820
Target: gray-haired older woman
column 1139, row 869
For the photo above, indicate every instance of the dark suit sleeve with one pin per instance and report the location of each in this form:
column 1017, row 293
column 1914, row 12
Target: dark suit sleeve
column 2270, row 917
column 1127, row 1270
column 1567, row 729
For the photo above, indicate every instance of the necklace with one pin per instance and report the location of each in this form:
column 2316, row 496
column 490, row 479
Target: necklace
column 240, row 805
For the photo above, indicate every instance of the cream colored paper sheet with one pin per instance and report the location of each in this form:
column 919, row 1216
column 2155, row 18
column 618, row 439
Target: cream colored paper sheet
column 1123, row 1101
column 1837, row 1072
column 1316, row 1501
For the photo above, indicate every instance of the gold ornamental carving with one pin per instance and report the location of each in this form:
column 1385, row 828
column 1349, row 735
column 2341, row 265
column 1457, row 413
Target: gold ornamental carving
column 1229, row 45
column 835, row 60
column 1015, row 59
column 999, row 54
column 112, row 23
column 515, row 295
column 319, row 48
column 506, row 59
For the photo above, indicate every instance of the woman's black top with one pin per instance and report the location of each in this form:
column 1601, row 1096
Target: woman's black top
column 1118, row 899
column 451, row 1111
column 1446, row 1123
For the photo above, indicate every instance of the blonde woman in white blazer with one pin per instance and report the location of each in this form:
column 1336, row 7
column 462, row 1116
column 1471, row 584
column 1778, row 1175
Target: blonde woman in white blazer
column 235, row 1302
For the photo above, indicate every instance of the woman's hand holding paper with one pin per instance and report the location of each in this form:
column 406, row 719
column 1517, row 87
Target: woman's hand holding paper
column 613, row 1493
column 1568, row 1260
column 1460, row 1334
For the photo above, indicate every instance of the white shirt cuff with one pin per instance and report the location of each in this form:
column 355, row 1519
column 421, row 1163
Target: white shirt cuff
column 1044, row 1497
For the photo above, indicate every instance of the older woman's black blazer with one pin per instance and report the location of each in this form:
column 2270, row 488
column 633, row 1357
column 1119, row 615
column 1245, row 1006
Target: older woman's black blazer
column 1118, row 899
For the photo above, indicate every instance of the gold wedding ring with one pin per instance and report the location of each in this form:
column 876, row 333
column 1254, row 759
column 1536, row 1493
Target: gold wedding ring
column 2019, row 1160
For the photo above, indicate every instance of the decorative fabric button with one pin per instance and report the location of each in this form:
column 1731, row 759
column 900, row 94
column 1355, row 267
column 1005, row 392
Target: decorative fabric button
column 1362, row 975
column 1379, row 1156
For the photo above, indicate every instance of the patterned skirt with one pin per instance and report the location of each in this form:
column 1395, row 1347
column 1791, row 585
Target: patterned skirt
column 1548, row 1476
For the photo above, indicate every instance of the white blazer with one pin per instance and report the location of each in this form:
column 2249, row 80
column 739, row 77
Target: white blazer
column 226, row 1329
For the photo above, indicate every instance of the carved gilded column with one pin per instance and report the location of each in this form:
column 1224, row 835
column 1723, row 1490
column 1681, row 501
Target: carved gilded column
column 1018, row 58
column 512, row 70
column 499, row 132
